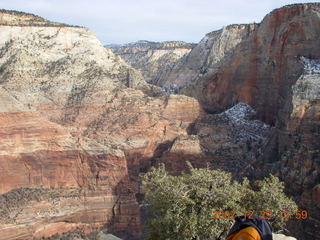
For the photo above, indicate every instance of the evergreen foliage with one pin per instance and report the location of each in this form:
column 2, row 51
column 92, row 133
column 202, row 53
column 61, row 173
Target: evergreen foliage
column 181, row 207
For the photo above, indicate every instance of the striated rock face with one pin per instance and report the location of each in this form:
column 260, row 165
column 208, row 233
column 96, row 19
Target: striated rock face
column 76, row 131
column 299, row 145
column 79, row 124
column 55, row 69
column 231, row 141
column 292, row 151
column 152, row 58
column 273, row 67
column 264, row 66
column 39, row 154
column 241, row 62
column 205, row 56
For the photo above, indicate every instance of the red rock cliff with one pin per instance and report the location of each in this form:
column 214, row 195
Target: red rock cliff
column 74, row 137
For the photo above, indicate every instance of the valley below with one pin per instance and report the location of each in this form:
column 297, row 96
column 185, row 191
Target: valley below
column 80, row 122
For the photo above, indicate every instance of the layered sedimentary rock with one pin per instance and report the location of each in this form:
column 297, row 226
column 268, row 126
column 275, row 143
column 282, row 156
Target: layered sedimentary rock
column 152, row 58
column 205, row 56
column 299, row 144
column 58, row 67
column 38, row 155
column 266, row 58
column 78, row 124
column 74, row 132
column 230, row 141
column 273, row 68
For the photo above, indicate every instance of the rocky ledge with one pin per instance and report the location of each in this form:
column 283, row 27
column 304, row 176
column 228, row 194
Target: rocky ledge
column 80, row 124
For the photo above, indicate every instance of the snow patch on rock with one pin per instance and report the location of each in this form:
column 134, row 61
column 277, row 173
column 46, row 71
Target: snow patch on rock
column 240, row 116
column 311, row 66
column 171, row 89
column 307, row 87
column 240, row 112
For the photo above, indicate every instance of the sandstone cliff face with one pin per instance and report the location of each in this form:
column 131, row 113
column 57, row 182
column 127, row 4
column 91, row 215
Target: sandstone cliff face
column 76, row 129
column 266, row 60
column 39, row 154
column 152, row 58
column 230, row 141
column 273, row 68
column 299, row 144
column 60, row 67
column 205, row 56
column 79, row 124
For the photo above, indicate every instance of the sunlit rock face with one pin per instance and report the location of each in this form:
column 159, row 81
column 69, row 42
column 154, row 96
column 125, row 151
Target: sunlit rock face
column 256, row 64
column 52, row 181
column 276, row 236
column 79, row 124
column 152, row 59
column 76, row 130
column 16, row 18
column 292, row 151
column 205, row 56
column 274, row 67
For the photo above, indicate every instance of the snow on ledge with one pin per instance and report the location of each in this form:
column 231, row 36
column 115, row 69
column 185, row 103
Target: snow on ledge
column 241, row 116
column 311, row 66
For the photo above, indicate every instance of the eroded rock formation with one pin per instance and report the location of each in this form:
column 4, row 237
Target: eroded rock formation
column 260, row 57
column 152, row 58
column 205, row 57
column 299, row 145
column 75, row 131
column 273, row 67
column 79, row 124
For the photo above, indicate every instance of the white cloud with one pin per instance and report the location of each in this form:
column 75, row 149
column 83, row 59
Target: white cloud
column 122, row 21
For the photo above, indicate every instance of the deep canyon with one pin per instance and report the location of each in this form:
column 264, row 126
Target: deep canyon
column 80, row 121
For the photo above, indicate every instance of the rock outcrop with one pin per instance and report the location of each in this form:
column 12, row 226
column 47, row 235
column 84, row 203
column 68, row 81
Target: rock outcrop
column 152, row 58
column 230, row 141
column 273, row 67
column 205, row 56
column 76, row 131
column 80, row 124
column 103, row 236
column 299, row 145
column 16, row 18
column 276, row 236
column 265, row 57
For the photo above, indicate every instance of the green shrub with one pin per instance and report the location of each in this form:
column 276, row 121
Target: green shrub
column 181, row 207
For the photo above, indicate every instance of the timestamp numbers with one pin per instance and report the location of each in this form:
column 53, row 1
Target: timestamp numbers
column 299, row 214
column 250, row 214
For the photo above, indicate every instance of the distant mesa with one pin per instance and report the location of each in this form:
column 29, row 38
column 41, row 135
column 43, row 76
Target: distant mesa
column 152, row 58
column 144, row 44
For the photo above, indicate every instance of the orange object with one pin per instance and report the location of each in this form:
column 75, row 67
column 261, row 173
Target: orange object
column 248, row 233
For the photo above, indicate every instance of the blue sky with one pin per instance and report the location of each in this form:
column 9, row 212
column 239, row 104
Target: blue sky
column 122, row 21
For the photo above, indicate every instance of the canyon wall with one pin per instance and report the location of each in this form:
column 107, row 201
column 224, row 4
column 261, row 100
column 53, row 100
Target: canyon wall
column 152, row 58
column 255, row 63
column 79, row 124
column 76, row 131
column 273, row 67
column 205, row 56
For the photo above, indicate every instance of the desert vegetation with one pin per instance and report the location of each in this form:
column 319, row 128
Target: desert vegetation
column 186, row 206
